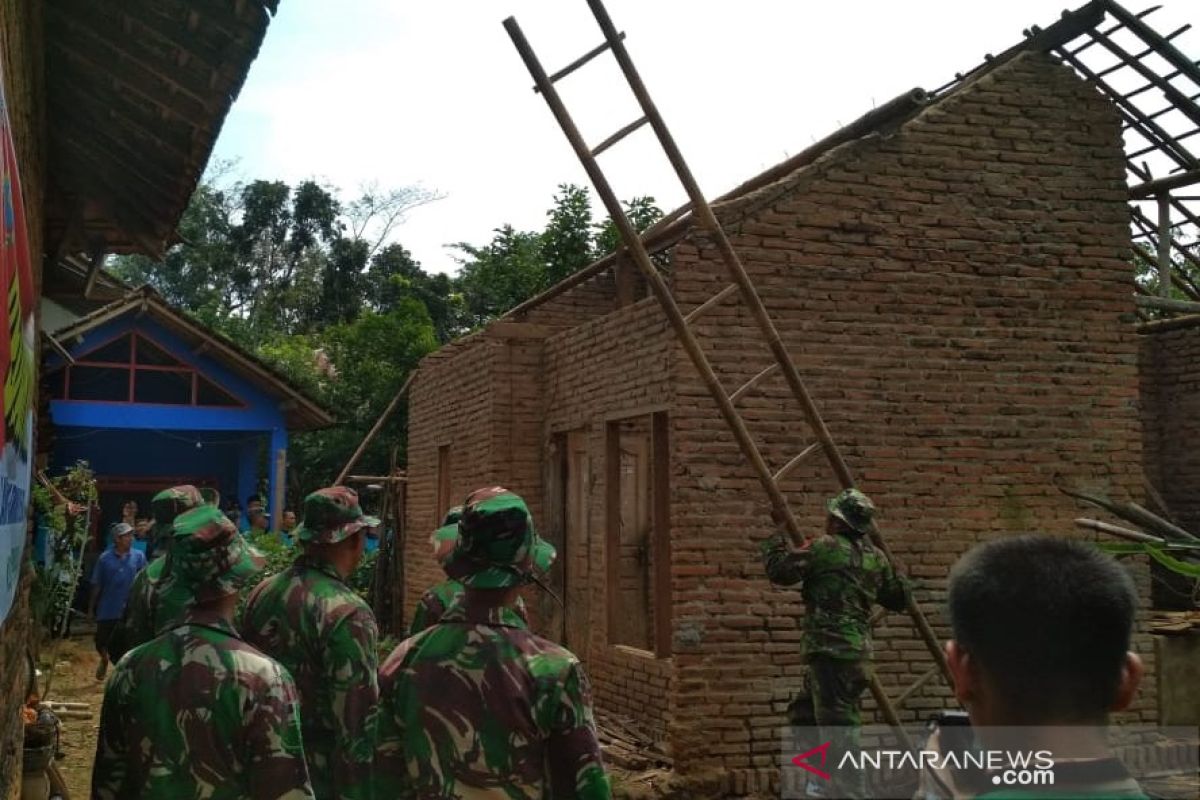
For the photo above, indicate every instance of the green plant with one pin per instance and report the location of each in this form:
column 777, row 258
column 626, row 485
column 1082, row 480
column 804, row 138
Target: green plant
column 361, row 580
column 61, row 508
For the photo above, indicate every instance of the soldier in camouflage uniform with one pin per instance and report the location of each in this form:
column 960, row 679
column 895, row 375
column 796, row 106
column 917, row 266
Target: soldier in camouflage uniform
column 441, row 596
column 325, row 634
column 197, row 712
column 155, row 602
column 478, row 706
column 841, row 574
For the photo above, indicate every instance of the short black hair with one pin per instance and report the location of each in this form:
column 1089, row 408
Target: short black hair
column 1049, row 622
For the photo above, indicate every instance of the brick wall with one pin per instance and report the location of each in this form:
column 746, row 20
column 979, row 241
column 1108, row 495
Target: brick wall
column 612, row 368
column 482, row 401
column 1170, row 362
column 952, row 292
column 21, row 55
column 952, row 295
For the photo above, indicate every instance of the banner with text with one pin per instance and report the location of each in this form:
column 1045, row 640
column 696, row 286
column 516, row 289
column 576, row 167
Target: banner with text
column 18, row 365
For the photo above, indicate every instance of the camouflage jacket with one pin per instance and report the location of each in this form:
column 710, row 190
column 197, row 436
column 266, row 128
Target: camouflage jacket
column 840, row 579
column 155, row 604
column 199, row 713
column 434, row 603
column 325, row 635
column 478, row 706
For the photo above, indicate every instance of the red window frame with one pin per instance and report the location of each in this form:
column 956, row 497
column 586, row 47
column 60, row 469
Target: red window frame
column 133, row 367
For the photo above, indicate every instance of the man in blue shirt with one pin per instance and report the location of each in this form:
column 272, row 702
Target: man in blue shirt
column 112, row 578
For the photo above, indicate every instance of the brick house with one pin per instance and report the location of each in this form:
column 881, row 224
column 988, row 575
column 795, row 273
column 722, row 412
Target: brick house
column 952, row 281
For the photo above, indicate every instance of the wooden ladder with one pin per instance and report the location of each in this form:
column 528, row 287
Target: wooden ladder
column 741, row 286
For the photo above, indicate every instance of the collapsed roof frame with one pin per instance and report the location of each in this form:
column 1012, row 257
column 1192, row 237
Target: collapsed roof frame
column 1155, row 87
column 1158, row 161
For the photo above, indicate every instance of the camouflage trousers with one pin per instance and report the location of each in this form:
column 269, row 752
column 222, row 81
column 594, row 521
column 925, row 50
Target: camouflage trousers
column 830, row 701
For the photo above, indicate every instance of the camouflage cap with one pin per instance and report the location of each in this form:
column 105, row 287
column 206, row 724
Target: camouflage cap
column 209, row 556
column 445, row 538
column 497, row 545
column 169, row 504
column 853, row 508
column 332, row 515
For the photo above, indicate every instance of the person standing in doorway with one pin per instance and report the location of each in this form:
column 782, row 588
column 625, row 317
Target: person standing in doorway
column 112, row 578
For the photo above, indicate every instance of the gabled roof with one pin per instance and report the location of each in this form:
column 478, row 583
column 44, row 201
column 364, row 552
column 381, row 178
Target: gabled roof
column 136, row 93
column 1106, row 45
column 302, row 412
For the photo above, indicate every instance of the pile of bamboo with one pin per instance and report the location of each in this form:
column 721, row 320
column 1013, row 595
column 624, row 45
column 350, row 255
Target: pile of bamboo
column 1155, row 534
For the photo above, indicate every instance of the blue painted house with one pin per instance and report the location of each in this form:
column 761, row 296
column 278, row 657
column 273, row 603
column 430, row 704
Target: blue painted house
column 150, row 397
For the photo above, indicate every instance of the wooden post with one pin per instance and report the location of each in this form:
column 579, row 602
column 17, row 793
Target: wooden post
column 1164, row 244
column 661, row 550
column 280, row 486
column 399, row 544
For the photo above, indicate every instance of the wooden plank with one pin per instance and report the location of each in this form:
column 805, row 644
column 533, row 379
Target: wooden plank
column 1166, row 304
column 612, row 523
column 1156, row 187
column 661, row 545
column 1164, row 245
column 521, row 330
column 277, row 501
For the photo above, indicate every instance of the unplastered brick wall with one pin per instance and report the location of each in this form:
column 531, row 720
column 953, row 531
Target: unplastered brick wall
column 612, row 368
column 479, row 404
column 1170, row 364
column 450, row 410
column 952, row 293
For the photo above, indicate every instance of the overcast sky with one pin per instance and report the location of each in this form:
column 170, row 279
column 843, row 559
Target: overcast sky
column 433, row 93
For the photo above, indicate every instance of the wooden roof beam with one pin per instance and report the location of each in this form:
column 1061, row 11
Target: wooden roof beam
column 148, row 87
column 1160, row 185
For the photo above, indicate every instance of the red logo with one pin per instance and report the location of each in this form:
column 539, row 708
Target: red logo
column 801, row 760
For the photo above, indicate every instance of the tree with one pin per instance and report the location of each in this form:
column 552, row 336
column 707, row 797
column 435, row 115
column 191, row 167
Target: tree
column 516, row 265
column 373, row 356
column 318, row 288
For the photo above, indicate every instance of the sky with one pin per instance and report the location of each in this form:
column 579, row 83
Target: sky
column 432, row 93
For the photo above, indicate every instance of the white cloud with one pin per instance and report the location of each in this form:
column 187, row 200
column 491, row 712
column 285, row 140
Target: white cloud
column 434, row 93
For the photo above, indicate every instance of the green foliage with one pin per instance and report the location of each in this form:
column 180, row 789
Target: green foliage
column 1186, row 271
column 63, row 513
column 313, row 286
column 516, row 265
column 1160, row 553
column 364, row 575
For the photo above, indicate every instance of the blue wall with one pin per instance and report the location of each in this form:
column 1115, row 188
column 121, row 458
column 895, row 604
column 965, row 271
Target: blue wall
column 144, row 440
column 141, row 454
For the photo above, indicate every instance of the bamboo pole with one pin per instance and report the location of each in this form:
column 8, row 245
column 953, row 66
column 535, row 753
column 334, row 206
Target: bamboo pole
column 704, row 213
column 1167, row 303
column 1164, row 245
column 781, row 511
column 1117, row 530
column 379, row 423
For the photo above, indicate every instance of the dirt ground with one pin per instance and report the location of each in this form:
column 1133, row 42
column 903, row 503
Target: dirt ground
column 72, row 679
